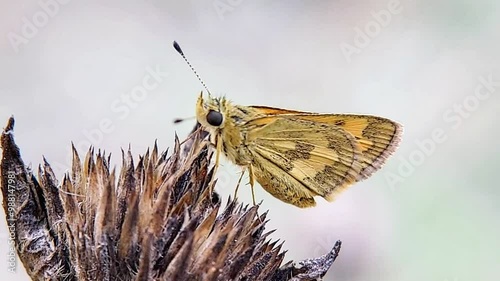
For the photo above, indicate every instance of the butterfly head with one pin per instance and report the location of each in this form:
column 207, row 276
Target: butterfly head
column 209, row 112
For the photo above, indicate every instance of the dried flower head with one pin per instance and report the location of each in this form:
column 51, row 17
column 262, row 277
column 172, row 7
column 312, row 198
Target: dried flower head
column 154, row 220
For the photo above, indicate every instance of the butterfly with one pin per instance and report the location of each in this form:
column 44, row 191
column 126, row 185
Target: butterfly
column 296, row 155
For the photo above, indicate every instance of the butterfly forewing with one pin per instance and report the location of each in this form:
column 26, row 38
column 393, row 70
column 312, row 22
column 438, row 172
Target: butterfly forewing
column 377, row 136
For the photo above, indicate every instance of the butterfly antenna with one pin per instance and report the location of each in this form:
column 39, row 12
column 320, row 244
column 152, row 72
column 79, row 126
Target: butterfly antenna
column 179, row 120
column 179, row 50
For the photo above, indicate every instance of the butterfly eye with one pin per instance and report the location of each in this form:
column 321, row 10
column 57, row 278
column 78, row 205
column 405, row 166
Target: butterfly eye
column 214, row 118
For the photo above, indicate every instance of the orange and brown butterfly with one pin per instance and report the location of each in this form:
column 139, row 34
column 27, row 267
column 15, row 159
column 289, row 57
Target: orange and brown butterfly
column 297, row 155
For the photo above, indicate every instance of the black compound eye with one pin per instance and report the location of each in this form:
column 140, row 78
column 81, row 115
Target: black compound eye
column 214, row 118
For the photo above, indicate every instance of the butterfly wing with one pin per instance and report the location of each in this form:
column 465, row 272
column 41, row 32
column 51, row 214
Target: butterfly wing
column 297, row 159
column 379, row 137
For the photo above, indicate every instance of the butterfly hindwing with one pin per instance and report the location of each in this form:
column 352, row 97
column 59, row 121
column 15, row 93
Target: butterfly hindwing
column 302, row 159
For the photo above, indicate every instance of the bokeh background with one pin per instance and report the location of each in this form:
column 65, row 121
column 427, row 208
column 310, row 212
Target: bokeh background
column 68, row 68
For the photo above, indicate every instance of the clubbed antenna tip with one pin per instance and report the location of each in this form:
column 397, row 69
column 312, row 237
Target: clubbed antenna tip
column 178, row 48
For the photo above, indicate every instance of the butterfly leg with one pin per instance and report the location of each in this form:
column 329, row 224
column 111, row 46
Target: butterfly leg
column 238, row 184
column 251, row 182
column 217, row 146
column 218, row 149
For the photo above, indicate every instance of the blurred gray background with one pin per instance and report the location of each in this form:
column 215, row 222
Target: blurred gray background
column 73, row 71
